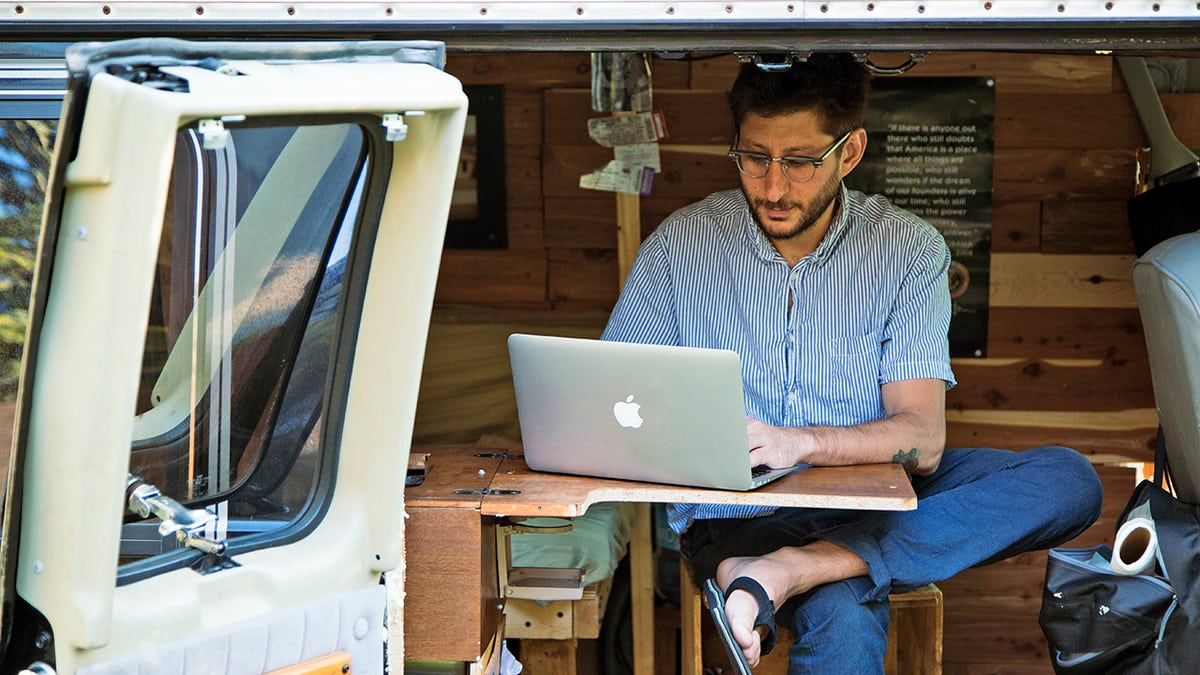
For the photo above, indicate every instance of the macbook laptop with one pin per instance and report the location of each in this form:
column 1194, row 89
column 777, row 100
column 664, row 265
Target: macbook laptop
column 632, row 411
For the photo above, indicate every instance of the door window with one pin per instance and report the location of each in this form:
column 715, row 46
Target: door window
column 243, row 319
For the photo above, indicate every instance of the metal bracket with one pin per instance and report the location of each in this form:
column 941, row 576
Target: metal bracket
column 484, row 491
column 782, row 63
column 213, row 562
column 775, row 63
column 533, row 583
column 146, row 500
column 213, row 134
column 395, row 128
column 500, row 455
column 913, row 59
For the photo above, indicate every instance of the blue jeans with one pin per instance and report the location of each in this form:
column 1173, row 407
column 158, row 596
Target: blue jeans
column 980, row 506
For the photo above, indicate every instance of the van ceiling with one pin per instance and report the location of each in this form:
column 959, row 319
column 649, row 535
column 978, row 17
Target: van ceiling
column 1129, row 26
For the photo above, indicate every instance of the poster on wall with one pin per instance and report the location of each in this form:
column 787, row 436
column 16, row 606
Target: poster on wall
column 929, row 150
column 478, row 206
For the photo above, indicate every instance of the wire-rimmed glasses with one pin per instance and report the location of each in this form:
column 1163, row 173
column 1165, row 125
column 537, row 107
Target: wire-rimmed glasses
column 797, row 169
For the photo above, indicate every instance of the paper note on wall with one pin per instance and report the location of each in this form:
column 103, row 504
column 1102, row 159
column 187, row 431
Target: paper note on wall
column 641, row 154
column 647, row 127
column 618, row 177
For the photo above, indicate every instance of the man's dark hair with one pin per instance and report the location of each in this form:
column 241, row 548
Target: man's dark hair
column 835, row 86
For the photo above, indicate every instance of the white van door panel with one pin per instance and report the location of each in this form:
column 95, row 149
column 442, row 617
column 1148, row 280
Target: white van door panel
column 319, row 184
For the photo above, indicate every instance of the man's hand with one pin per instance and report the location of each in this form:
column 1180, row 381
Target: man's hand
column 777, row 447
column 913, row 434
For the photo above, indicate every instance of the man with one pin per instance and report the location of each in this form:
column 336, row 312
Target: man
column 838, row 305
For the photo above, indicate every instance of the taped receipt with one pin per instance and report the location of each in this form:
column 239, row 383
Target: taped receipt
column 634, row 140
column 647, row 127
column 620, row 177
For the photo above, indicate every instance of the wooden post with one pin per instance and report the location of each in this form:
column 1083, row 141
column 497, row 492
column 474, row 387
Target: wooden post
column 629, row 233
column 641, row 545
column 641, row 589
column 691, row 661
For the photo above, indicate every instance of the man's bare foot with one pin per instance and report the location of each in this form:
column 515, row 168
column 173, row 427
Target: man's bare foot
column 783, row 573
column 741, row 608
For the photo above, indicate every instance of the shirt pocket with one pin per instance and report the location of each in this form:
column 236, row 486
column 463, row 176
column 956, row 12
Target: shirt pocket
column 858, row 345
column 851, row 388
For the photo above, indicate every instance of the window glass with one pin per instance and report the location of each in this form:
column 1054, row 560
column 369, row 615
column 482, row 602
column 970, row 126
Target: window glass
column 242, row 322
column 26, row 146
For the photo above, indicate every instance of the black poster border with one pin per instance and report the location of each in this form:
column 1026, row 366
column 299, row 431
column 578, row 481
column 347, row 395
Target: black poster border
column 489, row 229
column 930, row 150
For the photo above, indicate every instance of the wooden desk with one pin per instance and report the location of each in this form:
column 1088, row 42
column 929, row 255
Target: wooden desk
column 876, row 487
column 467, row 488
column 452, row 604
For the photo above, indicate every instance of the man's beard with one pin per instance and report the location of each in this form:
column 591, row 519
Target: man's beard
column 809, row 214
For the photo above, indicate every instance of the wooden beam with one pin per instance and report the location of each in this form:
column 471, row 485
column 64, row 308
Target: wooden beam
column 1050, row 384
column 629, row 233
column 691, row 661
column 1039, row 280
column 641, row 589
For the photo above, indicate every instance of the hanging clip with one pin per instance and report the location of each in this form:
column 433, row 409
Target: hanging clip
column 913, row 59
column 780, row 63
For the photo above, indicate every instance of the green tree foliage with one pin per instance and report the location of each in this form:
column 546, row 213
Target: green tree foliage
column 25, row 149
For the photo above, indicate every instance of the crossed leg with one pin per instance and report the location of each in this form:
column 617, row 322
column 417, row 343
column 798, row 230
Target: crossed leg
column 783, row 573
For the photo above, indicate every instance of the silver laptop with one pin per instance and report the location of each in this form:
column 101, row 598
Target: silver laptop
column 632, row 411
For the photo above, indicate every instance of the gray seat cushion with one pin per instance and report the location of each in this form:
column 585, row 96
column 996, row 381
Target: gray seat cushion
column 1167, row 282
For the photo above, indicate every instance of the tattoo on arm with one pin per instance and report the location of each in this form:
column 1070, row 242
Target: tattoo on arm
column 907, row 459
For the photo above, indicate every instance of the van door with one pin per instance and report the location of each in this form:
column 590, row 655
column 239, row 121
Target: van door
column 235, row 276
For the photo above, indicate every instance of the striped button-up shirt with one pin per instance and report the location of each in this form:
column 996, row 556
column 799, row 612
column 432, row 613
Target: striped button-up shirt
column 816, row 340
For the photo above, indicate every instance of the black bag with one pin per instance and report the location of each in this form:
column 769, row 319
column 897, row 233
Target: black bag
column 1098, row 621
column 1163, row 212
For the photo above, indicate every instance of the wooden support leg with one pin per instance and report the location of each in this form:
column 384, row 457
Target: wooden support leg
column 641, row 588
column 549, row 657
column 690, row 661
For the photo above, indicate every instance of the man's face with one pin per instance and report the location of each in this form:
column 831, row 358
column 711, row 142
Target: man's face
column 782, row 207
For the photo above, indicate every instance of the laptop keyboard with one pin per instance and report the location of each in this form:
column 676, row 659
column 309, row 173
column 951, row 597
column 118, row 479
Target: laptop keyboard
column 760, row 470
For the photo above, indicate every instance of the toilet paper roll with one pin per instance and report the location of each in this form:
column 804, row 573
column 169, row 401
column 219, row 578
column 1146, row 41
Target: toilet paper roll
column 1135, row 549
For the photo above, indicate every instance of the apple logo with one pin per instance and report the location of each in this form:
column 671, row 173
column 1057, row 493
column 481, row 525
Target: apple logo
column 626, row 413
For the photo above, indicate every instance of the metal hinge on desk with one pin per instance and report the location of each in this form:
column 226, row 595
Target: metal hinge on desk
column 500, row 455
column 485, row 492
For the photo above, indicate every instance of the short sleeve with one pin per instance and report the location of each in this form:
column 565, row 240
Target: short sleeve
column 915, row 344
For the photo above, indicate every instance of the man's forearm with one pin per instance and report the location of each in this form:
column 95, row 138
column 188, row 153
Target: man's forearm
column 904, row 438
column 912, row 433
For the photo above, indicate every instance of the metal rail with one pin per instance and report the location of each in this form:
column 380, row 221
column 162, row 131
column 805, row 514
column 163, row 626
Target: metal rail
column 641, row 25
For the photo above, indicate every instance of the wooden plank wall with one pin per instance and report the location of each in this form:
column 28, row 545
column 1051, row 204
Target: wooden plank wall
column 1066, row 359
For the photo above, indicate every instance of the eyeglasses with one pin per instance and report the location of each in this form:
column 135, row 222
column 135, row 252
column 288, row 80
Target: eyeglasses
column 797, row 169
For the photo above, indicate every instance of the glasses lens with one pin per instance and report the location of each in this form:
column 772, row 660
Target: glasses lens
column 799, row 171
column 752, row 166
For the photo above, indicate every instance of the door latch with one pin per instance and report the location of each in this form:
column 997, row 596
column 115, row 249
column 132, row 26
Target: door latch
column 146, row 500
